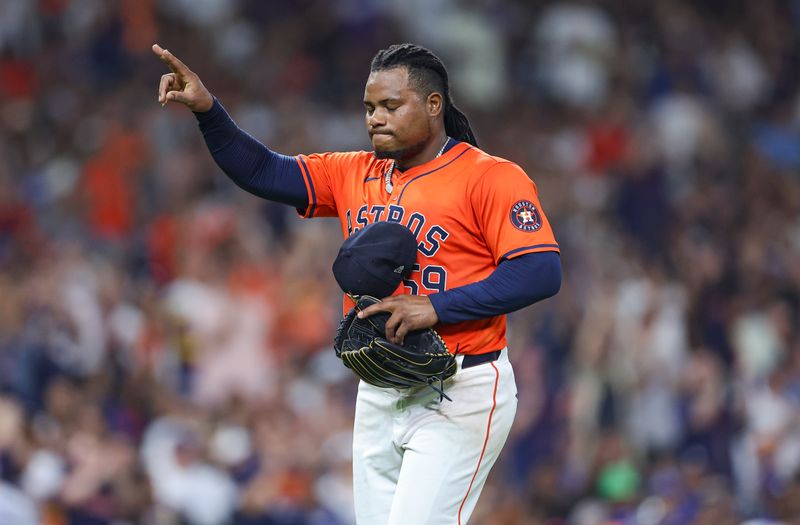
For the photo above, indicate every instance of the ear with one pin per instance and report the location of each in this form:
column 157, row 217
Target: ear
column 434, row 104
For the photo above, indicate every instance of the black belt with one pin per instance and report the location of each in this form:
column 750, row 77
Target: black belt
column 477, row 359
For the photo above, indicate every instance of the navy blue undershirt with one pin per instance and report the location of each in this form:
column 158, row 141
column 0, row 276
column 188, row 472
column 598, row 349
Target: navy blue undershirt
column 251, row 165
column 515, row 283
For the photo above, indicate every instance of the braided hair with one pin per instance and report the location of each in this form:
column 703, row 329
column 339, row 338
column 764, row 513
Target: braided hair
column 428, row 74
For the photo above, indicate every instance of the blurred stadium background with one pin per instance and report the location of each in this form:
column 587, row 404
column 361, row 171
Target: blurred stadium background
column 165, row 338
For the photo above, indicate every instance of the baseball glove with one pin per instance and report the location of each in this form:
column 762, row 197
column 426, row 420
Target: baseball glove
column 361, row 344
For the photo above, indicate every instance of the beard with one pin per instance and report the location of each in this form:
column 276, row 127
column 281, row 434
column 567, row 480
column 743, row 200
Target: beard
column 403, row 154
column 400, row 154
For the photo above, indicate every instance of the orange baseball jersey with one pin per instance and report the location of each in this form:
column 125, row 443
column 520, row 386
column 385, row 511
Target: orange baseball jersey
column 468, row 210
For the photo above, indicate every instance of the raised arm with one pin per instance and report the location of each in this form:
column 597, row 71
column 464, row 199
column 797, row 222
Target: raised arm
column 249, row 163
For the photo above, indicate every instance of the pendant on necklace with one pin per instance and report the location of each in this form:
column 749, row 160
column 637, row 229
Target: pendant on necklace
column 387, row 178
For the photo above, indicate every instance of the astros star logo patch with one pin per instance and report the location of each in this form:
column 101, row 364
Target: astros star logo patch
column 524, row 216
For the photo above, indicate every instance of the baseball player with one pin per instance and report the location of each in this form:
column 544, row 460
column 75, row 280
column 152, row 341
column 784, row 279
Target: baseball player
column 485, row 249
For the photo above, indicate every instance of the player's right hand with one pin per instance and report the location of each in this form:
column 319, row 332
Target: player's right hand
column 182, row 85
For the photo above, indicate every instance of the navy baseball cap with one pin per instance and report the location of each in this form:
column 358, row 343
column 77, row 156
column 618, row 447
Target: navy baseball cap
column 374, row 260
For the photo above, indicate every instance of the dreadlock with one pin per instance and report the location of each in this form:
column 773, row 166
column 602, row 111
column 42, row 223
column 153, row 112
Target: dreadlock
column 428, row 74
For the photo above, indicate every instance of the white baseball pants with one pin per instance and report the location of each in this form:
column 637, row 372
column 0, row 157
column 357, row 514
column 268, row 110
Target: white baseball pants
column 419, row 461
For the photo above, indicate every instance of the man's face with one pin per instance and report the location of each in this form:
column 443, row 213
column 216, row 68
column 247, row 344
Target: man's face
column 396, row 116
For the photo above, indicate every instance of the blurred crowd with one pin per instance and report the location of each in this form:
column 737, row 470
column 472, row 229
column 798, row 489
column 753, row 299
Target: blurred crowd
column 165, row 338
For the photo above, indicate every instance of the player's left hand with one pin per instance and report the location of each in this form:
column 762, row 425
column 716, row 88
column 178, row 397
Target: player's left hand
column 408, row 312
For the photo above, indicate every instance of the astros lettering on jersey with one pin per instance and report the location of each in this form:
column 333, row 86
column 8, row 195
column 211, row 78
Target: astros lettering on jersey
column 468, row 210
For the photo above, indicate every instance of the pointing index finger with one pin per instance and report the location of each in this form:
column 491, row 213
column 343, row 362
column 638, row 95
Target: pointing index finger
column 382, row 306
column 177, row 67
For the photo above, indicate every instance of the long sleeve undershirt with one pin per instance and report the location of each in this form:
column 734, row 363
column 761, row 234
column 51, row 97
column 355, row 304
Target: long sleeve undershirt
column 516, row 283
column 251, row 165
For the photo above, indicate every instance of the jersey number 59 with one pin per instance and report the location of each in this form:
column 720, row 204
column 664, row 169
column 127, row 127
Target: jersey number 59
column 434, row 279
